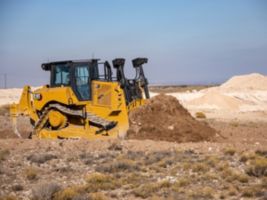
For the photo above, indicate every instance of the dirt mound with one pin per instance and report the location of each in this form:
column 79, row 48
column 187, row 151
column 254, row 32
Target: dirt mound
column 164, row 118
column 216, row 100
column 252, row 81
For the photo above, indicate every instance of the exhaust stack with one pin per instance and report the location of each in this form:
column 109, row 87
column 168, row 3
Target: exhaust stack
column 140, row 75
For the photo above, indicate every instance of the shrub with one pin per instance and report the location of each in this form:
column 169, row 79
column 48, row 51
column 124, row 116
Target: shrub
column 146, row 190
column 97, row 182
column 41, row 158
column 258, row 167
column 119, row 165
column 4, row 109
column 9, row 197
column 157, row 156
column 200, row 167
column 31, row 173
column 183, row 182
column 3, row 154
column 17, row 187
column 202, row 193
column 45, row 191
column 115, row 147
column 134, row 155
column 262, row 153
column 229, row 151
column 71, row 193
column 252, row 191
column 200, row 115
column 234, row 124
column 97, row 196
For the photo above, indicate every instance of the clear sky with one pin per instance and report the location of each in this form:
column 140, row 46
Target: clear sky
column 186, row 41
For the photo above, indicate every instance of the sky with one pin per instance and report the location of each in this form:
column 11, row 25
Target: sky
column 186, row 41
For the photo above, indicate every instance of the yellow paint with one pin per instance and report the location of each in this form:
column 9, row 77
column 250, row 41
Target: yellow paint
column 56, row 119
column 108, row 102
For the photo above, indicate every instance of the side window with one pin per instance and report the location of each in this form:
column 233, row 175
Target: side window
column 62, row 75
column 82, row 81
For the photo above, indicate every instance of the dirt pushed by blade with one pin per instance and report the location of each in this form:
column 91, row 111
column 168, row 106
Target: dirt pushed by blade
column 164, row 118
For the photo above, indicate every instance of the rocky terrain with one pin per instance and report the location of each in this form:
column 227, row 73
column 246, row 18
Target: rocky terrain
column 221, row 152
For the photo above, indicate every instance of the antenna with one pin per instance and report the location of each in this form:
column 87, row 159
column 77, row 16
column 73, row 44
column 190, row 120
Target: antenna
column 5, row 80
column 93, row 55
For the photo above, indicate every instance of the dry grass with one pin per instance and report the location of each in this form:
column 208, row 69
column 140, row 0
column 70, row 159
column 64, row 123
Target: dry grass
column 97, row 182
column 4, row 110
column 45, row 191
column 200, row 115
column 234, row 124
column 182, row 182
column 212, row 161
column 229, row 151
column 97, row 196
column 258, row 167
column 252, row 191
column 74, row 192
column 202, row 193
column 31, row 173
column 119, row 166
column 3, row 154
column 41, row 158
column 8, row 197
column 133, row 180
column 147, row 190
column 200, row 167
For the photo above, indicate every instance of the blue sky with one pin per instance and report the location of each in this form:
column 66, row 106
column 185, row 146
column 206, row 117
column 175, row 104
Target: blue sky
column 187, row 42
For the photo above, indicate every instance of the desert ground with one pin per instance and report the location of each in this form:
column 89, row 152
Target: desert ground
column 191, row 142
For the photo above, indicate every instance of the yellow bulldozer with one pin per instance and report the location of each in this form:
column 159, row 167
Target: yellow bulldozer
column 83, row 99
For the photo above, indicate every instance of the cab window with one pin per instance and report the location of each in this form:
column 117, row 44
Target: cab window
column 61, row 75
column 82, row 81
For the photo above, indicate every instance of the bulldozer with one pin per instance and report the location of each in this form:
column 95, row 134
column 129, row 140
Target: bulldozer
column 83, row 100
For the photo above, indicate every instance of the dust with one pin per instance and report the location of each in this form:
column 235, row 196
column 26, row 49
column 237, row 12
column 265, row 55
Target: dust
column 164, row 118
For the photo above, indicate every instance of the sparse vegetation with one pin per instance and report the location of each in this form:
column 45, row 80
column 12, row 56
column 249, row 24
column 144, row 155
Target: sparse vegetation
column 8, row 197
column 200, row 167
column 127, row 173
column 258, row 167
column 45, row 191
column 69, row 193
column 200, row 115
column 234, row 124
column 97, row 196
column 31, row 173
column 97, row 182
column 202, row 193
column 3, row 154
column 4, row 110
column 229, row 151
column 17, row 187
column 182, row 182
column 148, row 190
column 41, row 158
column 119, row 165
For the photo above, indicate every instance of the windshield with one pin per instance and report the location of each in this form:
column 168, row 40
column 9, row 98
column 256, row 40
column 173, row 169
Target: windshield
column 61, row 75
column 82, row 81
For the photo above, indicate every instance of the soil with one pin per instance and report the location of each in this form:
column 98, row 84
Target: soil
column 164, row 118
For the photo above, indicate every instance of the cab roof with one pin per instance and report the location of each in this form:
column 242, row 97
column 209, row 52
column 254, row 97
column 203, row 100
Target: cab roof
column 47, row 66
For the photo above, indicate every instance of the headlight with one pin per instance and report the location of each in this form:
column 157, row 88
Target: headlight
column 37, row 96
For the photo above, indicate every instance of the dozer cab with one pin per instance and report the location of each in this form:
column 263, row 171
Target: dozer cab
column 82, row 102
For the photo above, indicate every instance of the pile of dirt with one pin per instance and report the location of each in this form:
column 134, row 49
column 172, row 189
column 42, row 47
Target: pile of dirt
column 217, row 100
column 164, row 118
column 252, row 81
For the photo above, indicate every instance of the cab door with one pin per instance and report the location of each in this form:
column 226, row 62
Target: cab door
column 82, row 81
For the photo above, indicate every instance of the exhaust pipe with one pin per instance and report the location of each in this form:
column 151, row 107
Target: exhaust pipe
column 118, row 64
column 140, row 75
